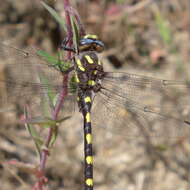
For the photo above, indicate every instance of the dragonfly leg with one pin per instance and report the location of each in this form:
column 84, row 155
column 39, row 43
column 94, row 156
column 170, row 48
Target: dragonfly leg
column 65, row 47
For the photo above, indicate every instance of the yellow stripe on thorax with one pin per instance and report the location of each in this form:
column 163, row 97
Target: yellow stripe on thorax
column 89, row 182
column 89, row 59
column 89, row 138
column 79, row 64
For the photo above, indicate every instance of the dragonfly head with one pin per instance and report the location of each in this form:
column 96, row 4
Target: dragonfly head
column 91, row 43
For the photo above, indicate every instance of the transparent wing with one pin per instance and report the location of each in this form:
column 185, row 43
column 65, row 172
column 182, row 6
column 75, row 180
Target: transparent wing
column 127, row 100
column 133, row 83
column 27, row 79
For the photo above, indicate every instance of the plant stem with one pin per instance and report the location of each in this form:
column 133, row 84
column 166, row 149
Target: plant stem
column 69, row 26
column 63, row 92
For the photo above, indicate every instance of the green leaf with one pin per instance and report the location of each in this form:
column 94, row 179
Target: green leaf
column 49, row 58
column 58, row 63
column 163, row 28
column 63, row 119
column 55, row 15
column 48, row 96
column 54, row 136
column 33, row 133
column 36, row 138
column 49, row 99
column 48, row 91
column 75, row 33
column 73, row 85
column 64, row 65
column 55, row 130
column 44, row 122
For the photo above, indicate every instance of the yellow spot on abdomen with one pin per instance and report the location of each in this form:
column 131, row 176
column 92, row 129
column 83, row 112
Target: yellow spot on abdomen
column 89, row 182
column 89, row 59
column 87, row 99
column 89, row 160
column 88, row 117
column 89, row 138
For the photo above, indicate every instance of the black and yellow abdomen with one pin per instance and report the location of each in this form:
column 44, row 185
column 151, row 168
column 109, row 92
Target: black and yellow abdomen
column 88, row 72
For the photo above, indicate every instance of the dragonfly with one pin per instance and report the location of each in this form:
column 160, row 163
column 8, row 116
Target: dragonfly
column 110, row 100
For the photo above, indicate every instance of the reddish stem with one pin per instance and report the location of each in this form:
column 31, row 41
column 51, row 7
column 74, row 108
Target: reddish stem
column 64, row 90
column 77, row 17
column 69, row 26
column 62, row 94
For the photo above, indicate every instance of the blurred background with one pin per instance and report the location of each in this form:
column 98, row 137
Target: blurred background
column 148, row 37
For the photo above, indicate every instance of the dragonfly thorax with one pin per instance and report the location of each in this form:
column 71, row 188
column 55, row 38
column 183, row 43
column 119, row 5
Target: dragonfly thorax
column 88, row 71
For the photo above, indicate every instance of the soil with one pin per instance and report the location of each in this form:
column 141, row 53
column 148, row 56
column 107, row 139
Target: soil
column 145, row 37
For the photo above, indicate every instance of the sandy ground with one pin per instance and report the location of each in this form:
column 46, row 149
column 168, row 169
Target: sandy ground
column 153, row 41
